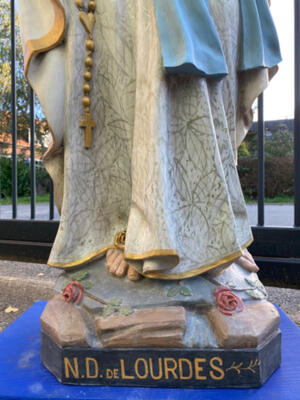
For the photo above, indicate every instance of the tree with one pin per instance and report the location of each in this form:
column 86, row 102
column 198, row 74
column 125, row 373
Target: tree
column 22, row 86
column 278, row 143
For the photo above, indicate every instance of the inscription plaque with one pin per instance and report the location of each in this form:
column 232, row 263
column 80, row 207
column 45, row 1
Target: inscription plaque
column 163, row 367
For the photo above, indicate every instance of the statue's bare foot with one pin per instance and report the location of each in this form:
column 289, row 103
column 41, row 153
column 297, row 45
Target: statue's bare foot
column 247, row 262
column 117, row 265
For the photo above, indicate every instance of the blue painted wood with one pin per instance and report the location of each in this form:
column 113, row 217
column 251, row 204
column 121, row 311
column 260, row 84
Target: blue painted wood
column 191, row 44
column 22, row 376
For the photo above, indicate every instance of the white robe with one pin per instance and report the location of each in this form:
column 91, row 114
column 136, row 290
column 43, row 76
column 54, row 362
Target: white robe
column 162, row 161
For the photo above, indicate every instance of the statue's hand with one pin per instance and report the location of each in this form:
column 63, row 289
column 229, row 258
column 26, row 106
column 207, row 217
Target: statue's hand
column 247, row 262
column 118, row 266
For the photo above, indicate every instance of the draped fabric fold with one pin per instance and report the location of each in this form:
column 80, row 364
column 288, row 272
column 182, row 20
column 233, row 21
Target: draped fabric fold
column 191, row 44
column 189, row 40
column 259, row 41
column 162, row 162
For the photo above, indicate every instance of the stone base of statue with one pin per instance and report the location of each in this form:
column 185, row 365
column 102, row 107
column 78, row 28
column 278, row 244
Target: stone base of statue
column 163, row 367
column 207, row 331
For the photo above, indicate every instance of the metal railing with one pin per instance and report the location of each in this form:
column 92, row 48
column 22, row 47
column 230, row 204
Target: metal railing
column 297, row 115
column 32, row 135
column 13, row 110
column 276, row 249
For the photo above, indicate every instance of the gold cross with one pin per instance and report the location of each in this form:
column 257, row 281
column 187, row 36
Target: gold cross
column 88, row 124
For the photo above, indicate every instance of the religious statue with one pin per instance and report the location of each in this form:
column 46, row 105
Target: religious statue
column 148, row 102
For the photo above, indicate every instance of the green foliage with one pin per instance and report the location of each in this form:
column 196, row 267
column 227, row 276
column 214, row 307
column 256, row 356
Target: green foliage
column 248, row 147
column 178, row 289
column 22, row 86
column 114, row 306
column 108, row 310
column 126, row 310
column 87, row 284
column 82, row 277
column 115, row 301
column 5, row 54
column 184, row 291
column 23, row 177
column 277, row 144
column 279, row 169
column 173, row 291
column 243, row 150
column 279, row 176
column 44, row 198
column 79, row 276
column 280, row 144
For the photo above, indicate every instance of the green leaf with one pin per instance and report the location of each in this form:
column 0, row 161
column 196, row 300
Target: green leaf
column 173, row 291
column 108, row 310
column 251, row 282
column 231, row 284
column 184, row 291
column 257, row 284
column 261, row 287
column 115, row 301
column 126, row 310
column 79, row 276
column 87, row 284
column 255, row 294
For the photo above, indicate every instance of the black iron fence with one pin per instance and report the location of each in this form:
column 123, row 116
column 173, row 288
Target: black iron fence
column 276, row 249
column 14, row 129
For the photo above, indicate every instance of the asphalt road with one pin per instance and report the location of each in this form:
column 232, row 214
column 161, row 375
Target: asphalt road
column 275, row 214
column 23, row 211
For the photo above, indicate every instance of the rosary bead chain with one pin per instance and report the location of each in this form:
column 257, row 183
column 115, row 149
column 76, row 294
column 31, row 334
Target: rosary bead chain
column 88, row 20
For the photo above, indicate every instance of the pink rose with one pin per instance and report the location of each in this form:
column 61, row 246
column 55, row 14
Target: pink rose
column 228, row 303
column 73, row 292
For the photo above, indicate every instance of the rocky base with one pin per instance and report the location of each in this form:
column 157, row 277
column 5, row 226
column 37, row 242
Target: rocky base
column 160, row 367
column 71, row 325
column 207, row 331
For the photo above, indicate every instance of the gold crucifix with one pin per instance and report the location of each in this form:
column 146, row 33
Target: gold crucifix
column 88, row 124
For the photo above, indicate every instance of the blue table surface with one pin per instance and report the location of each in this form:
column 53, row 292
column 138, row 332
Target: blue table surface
column 22, row 376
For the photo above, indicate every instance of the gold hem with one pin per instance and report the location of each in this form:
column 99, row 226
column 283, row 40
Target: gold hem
column 200, row 270
column 48, row 41
column 87, row 259
column 151, row 254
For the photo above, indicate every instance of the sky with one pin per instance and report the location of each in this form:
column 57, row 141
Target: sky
column 279, row 96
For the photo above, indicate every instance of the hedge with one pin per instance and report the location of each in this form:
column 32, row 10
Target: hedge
column 279, row 176
column 23, row 176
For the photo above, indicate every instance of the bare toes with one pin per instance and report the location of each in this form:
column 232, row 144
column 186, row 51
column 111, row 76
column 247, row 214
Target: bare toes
column 111, row 257
column 247, row 265
column 132, row 274
column 122, row 269
column 109, row 253
column 117, row 265
column 248, row 255
column 113, row 269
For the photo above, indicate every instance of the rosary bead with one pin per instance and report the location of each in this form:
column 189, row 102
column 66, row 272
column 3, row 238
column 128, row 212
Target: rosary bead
column 92, row 6
column 90, row 45
column 87, row 76
column 88, row 62
column 86, row 101
column 79, row 3
column 86, row 88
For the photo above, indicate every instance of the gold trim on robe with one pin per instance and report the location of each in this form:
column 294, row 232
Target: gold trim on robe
column 48, row 41
column 153, row 254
